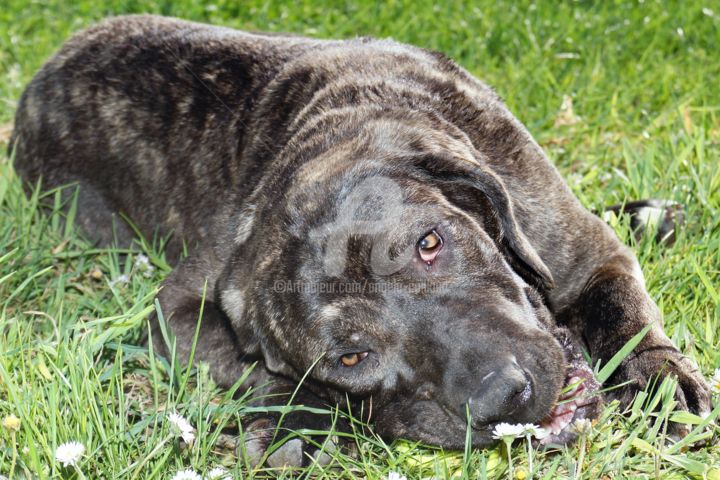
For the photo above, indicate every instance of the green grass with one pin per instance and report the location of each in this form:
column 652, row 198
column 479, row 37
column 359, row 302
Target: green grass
column 643, row 77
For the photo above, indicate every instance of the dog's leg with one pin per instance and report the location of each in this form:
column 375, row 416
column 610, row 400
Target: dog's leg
column 277, row 440
column 97, row 219
column 661, row 217
column 190, row 287
column 599, row 289
column 611, row 309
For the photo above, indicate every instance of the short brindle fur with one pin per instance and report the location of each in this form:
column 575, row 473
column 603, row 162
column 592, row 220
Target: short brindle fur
column 242, row 145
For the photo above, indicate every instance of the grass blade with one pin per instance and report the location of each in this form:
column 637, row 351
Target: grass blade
column 612, row 365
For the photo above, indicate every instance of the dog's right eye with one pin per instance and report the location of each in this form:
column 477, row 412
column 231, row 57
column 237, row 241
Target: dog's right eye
column 429, row 246
column 352, row 359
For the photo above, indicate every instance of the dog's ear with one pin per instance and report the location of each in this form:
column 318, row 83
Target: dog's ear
column 234, row 294
column 238, row 295
column 234, row 283
column 481, row 192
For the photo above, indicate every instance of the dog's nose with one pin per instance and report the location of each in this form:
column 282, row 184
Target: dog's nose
column 500, row 393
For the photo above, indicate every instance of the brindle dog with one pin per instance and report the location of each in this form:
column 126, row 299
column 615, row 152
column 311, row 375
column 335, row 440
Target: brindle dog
column 361, row 210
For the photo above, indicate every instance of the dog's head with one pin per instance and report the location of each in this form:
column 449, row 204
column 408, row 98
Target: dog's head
column 393, row 270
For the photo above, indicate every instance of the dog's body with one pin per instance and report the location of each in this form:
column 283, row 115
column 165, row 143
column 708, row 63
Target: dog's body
column 249, row 147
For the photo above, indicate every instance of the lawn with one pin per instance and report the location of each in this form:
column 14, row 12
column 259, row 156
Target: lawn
column 624, row 97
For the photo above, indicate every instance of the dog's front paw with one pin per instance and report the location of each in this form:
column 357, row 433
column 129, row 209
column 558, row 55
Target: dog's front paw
column 281, row 443
column 650, row 366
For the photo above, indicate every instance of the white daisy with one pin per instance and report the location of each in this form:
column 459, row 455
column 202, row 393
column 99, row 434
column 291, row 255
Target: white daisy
column 218, row 473
column 507, row 432
column 715, row 381
column 142, row 261
column 532, row 430
column 120, row 280
column 187, row 474
column 69, row 453
column 395, row 476
column 143, row 265
column 182, row 427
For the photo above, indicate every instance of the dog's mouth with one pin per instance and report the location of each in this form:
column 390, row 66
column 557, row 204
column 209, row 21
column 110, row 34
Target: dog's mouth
column 579, row 398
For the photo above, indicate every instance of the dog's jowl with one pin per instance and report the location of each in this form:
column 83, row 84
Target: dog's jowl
column 364, row 212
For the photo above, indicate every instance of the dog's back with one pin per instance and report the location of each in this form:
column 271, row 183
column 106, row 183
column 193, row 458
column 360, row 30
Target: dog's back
column 164, row 120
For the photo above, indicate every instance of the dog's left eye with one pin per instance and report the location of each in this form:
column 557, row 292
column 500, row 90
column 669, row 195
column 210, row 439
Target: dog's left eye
column 352, row 359
column 429, row 246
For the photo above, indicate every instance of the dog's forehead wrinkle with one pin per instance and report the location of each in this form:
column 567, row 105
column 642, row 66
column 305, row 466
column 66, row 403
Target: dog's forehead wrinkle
column 396, row 137
column 314, row 174
column 333, row 94
column 354, row 115
column 433, row 134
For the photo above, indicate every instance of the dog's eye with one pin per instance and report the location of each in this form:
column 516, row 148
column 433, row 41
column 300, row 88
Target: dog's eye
column 429, row 246
column 352, row 359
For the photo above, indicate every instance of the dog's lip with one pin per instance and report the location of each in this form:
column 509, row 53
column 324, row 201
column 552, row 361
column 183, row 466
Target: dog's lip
column 579, row 400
